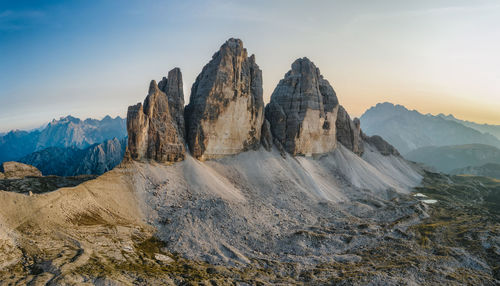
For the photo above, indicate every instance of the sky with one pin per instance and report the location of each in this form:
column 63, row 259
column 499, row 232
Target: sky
column 95, row 58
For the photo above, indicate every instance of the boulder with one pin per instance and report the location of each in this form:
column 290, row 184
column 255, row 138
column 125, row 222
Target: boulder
column 226, row 109
column 15, row 170
column 303, row 111
column 156, row 128
column 349, row 132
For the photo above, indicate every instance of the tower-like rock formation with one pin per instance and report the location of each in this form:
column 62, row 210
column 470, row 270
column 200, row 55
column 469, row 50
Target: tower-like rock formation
column 226, row 109
column 156, row 128
column 349, row 132
column 303, row 111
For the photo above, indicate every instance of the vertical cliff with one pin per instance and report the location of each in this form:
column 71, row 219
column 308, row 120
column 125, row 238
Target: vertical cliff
column 226, row 109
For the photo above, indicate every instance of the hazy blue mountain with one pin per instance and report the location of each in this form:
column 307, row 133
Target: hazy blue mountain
column 408, row 130
column 449, row 158
column 71, row 161
column 73, row 132
column 17, row 143
column 491, row 170
column 65, row 132
column 484, row 128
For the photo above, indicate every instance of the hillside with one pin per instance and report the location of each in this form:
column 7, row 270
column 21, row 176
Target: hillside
column 491, row 170
column 447, row 158
column 408, row 130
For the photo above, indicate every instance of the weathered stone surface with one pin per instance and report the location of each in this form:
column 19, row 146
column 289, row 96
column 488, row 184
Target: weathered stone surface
column 156, row 129
column 348, row 132
column 382, row 146
column 226, row 109
column 266, row 137
column 303, row 111
column 15, row 170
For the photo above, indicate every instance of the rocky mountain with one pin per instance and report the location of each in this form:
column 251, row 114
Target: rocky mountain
column 253, row 201
column 73, row 132
column 303, row 111
column 17, row 143
column 491, row 170
column 226, row 110
column 408, row 130
column 65, row 132
column 71, row 161
column 448, row 158
column 156, row 129
column 483, row 128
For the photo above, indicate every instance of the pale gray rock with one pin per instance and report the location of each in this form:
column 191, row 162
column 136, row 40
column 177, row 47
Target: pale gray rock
column 16, row 170
column 226, row 109
column 156, row 129
column 303, row 110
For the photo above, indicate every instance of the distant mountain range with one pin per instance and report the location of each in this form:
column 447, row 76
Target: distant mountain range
column 71, row 161
column 409, row 130
column 484, row 128
column 449, row 158
column 67, row 132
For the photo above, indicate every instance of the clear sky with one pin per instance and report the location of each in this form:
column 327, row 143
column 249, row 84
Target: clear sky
column 92, row 58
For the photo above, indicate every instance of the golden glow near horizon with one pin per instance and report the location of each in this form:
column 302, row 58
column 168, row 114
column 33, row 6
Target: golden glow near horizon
column 432, row 56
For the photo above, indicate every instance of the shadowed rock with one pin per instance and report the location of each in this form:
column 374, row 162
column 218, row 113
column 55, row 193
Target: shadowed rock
column 348, row 132
column 266, row 137
column 156, row 129
column 225, row 111
column 303, row 111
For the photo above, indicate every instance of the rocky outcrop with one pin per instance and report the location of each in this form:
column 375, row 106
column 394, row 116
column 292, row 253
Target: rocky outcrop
column 156, row 129
column 303, row 111
column 225, row 111
column 380, row 144
column 15, row 170
column 349, row 132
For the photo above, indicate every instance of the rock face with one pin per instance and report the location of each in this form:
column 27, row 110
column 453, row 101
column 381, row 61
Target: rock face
column 303, row 111
column 226, row 108
column 156, row 129
column 266, row 137
column 15, row 170
column 349, row 132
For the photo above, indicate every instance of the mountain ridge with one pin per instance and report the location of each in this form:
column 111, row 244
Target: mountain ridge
column 409, row 129
column 68, row 131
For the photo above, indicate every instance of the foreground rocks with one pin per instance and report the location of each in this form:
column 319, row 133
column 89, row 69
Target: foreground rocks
column 225, row 111
column 156, row 128
column 303, row 111
column 15, row 170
